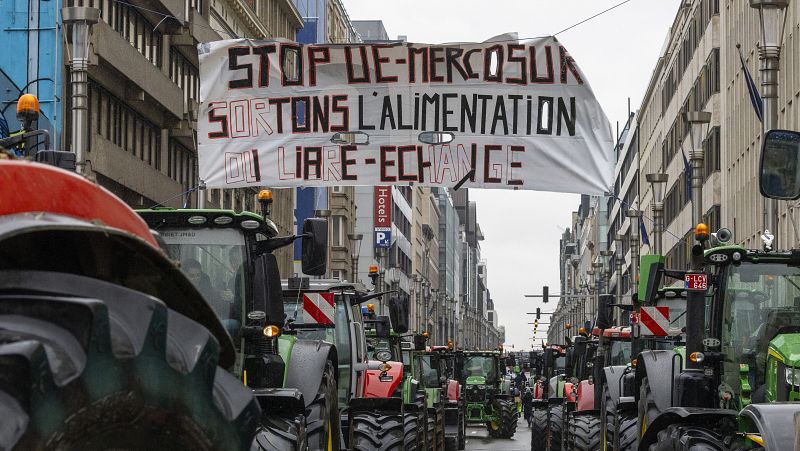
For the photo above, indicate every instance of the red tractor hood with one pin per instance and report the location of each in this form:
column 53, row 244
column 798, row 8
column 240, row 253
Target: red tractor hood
column 376, row 388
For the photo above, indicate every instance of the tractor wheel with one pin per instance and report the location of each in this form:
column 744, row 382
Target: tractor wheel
column 628, row 438
column 430, row 429
column 688, row 438
column 282, row 433
column 462, row 429
column 647, row 409
column 584, row 431
column 121, row 372
column 505, row 424
column 410, row 429
column 450, row 443
column 440, row 438
column 372, row 431
column 323, row 427
column 421, row 428
column 622, row 428
column 539, row 430
column 554, row 422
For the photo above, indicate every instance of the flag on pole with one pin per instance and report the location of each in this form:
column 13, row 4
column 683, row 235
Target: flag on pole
column 643, row 231
column 752, row 90
column 687, row 175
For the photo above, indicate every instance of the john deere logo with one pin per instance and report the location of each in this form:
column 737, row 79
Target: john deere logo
column 718, row 258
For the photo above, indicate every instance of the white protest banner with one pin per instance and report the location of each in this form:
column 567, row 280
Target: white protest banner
column 520, row 115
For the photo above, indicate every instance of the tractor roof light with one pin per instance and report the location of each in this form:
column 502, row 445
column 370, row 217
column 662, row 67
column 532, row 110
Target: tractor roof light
column 265, row 195
column 581, row 330
column 373, row 269
column 568, row 326
column 701, row 231
column 634, row 362
column 371, row 308
column 27, row 110
column 28, row 104
column 697, row 357
column 272, row 331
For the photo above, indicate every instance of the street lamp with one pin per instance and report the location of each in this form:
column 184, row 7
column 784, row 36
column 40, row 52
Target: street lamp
column 657, row 183
column 698, row 129
column 772, row 18
column 355, row 251
column 635, row 216
column 608, row 262
column 80, row 19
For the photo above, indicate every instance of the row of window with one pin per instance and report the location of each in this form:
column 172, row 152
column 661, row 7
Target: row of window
column 184, row 74
column 398, row 259
column 706, row 85
column 181, row 164
column 131, row 24
column 692, row 38
column 678, row 196
column 112, row 119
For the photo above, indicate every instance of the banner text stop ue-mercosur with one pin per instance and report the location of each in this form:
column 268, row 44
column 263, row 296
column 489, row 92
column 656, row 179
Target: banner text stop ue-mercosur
column 281, row 114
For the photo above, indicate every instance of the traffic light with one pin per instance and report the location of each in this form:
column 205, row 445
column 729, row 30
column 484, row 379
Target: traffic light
column 545, row 292
column 538, row 313
column 535, row 323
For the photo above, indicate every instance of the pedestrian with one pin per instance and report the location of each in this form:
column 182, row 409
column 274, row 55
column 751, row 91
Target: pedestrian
column 527, row 406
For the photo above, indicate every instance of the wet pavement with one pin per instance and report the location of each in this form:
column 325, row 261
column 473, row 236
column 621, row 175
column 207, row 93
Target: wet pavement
column 478, row 439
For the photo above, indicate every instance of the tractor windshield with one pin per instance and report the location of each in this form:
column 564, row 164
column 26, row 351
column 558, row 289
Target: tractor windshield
column 620, row 352
column 213, row 259
column 430, row 371
column 481, row 365
column 759, row 300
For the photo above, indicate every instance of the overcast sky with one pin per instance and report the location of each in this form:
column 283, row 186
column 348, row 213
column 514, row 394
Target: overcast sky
column 616, row 51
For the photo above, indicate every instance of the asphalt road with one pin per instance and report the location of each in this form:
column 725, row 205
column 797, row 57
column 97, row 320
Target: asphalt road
column 478, row 439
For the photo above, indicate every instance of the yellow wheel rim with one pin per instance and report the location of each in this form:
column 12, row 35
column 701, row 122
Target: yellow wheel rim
column 494, row 425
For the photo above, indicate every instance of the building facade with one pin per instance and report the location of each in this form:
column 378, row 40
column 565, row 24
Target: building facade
column 686, row 79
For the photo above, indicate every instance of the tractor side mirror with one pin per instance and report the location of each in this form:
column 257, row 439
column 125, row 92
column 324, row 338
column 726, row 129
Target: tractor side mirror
column 382, row 329
column 398, row 313
column 652, row 269
column 267, row 294
column 315, row 247
column 779, row 175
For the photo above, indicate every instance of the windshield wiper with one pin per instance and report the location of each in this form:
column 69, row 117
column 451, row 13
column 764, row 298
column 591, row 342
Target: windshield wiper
column 678, row 317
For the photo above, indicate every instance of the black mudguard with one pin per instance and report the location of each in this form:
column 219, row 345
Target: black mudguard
column 287, row 402
column 307, row 365
column 611, row 378
column 715, row 419
column 657, row 366
column 774, row 421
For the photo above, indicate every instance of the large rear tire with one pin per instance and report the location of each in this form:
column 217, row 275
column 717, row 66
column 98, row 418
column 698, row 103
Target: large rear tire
column 410, row 432
column 554, row 422
column 282, row 433
column 372, row 431
column 688, row 438
column 647, row 408
column 323, row 427
column 539, row 430
column 440, row 437
column 118, row 372
column 506, row 413
column 462, row 429
column 430, row 430
column 584, row 431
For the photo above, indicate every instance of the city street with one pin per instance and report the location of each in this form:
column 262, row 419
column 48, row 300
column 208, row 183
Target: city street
column 478, row 439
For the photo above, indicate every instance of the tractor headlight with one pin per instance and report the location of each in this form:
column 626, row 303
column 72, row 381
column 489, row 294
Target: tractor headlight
column 793, row 376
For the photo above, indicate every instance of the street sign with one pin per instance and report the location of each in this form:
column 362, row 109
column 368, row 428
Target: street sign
column 318, row 308
column 383, row 237
column 654, row 321
column 696, row 282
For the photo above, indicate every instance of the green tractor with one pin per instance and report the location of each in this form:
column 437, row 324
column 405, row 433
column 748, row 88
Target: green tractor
column 228, row 257
column 732, row 387
column 487, row 402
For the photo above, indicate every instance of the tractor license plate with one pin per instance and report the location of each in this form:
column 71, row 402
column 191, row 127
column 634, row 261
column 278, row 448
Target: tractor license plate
column 387, row 378
column 696, row 282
